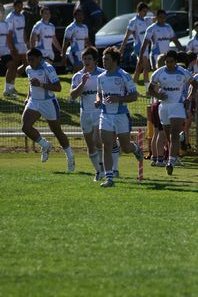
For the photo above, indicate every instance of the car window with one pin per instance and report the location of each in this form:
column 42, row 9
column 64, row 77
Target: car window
column 179, row 23
column 116, row 26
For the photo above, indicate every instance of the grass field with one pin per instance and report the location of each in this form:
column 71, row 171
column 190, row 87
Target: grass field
column 64, row 236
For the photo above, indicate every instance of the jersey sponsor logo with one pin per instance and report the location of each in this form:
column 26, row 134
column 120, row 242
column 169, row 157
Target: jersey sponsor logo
column 169, row 89
column 163, row 39
column 48, row 36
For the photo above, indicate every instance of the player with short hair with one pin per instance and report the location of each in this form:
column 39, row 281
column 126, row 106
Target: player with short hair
column 84, row 85
column 159, row 34
column 5, row 56
column 115, row 90
column 171, row 80
column 43, row 36
column 137, row 27
column 76, row 35
column 41, row 101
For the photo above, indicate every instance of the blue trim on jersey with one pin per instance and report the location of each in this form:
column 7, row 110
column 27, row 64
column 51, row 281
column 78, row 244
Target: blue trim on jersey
column 177, row 71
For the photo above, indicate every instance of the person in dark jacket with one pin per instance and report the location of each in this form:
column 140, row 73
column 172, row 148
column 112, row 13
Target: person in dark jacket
column 94, row 17
column 32, row 15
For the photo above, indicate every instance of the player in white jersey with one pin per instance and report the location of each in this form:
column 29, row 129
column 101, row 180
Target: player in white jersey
column 160, row 34
column 5, row 56
column 115, row 90
column 41, row 101
column 17, row 36
column 43, row 36
column 171, row 80
column 84, row 85
column 137, row 27
column 76, row 35
column 193, row 43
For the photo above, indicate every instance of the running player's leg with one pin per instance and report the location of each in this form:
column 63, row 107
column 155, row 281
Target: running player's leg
column 55, row 127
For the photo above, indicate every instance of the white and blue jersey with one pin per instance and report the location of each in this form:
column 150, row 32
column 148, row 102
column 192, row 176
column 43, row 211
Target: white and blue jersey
column 45, row 33
column 88, row 97
column 77, row 35
column 16, row 23
column 138, row 27
column 193, row 44
column 118, row 83
column 173, row 84
column 160, row 36
column 4, row 50
column 45, row 73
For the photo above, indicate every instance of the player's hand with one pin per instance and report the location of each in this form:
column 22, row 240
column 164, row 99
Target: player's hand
column 35, row 82
column 162, row 96
column 97, row 103
column 112, row 99
column 85, row 77
column 186, row 104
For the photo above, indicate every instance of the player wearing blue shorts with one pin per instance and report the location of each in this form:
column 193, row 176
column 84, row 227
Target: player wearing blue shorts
column 171, row 80
column 115, row 90
column 41, row 101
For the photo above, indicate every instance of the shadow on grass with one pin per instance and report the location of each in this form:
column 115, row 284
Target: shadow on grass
column 157, row 184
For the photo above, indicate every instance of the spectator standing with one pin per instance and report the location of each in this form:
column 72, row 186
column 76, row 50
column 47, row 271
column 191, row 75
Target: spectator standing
column 94, row 17
column 17, row 36
column 171, row 80
column 115, row 90
column 159, row 34
column 41, row 101
column 76, row 35
column 5, row 56
column 43, row 36
column 32, row 15
column 137, row 27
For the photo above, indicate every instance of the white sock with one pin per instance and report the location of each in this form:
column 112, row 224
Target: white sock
column 42, row 142
column 95, row 161
column 68, row 152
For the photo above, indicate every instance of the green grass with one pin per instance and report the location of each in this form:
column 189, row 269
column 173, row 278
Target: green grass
column 62, row 235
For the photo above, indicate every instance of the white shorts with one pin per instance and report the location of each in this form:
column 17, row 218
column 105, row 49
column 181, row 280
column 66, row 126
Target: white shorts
column 169, row 111
column 89, row 120
column 49, row 109
column 47, row 53
column 118, row 123
column 21, row 48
